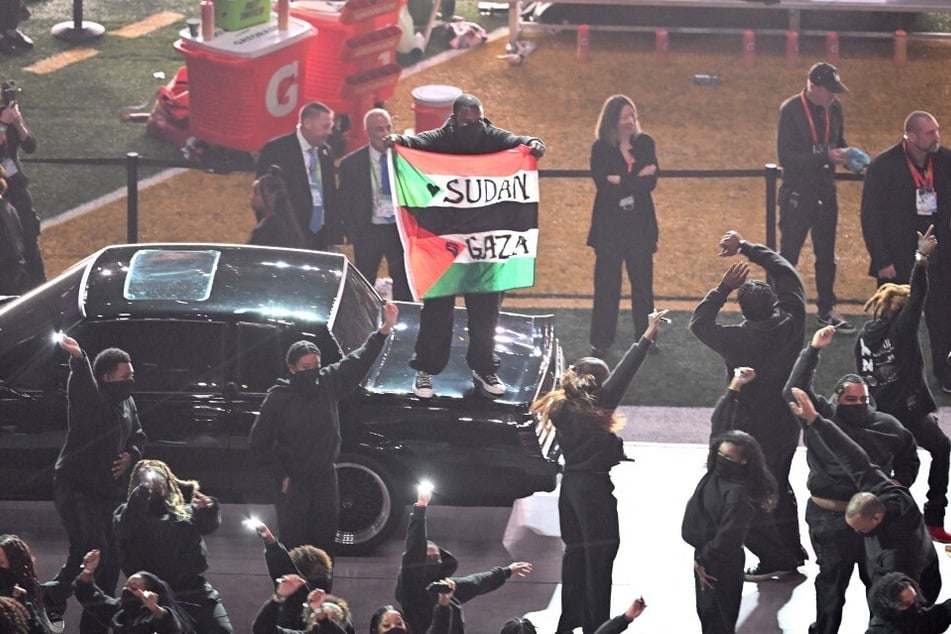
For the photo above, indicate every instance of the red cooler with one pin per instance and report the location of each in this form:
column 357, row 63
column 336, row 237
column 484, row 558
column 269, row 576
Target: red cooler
column 246, row 87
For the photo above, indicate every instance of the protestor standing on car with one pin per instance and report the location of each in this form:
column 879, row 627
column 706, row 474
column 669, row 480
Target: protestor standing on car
column 15, row 136
column 277, row 225
column 14, row 279
column 768, row 340
column 161, row 529
column 307, row 164
column 883, row 511
column 623, row 223
column 890, row 446
column 907, row 188
column 367, row 202
column 310, row 563
column 888, row 355
column 716, row 520
column 582, row 409
column 296, row 436
column 466, row 131
column 147, row 604
column 18, row 581
column 810, row 142
column 103, row 440
column 322, row 613
column 425, row 586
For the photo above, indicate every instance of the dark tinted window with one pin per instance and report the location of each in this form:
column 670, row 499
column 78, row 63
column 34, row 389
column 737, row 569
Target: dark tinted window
column 167, row 355
column 260, row 357
column 358, row 313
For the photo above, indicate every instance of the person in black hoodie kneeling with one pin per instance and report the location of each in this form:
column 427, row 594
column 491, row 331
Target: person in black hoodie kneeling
column 424, row 564
column 897, row 608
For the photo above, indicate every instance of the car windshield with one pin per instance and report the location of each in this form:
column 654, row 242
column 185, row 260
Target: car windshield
column 174, row 275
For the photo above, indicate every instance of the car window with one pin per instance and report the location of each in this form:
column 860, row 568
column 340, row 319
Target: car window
column 168, row 355
column 259, row 357
column 358, row 313
column 177, row 275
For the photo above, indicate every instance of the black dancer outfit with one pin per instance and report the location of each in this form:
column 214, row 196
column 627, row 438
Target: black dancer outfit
column 622, row 236
column 274, row 231
column 837, row 546
column 888, row 355
column 890, row 222
column 101, row 425
column 769, row 346
column 370, row 219
column 297, row 436
column 173, row 549
column 127, row 614
column 587, row 507
column 416, row 572
column 435, row 321
column 279, row 564
column 266, row 621
column 807, row 196
column 716, row 521
column 900, row 542
column 889, row 618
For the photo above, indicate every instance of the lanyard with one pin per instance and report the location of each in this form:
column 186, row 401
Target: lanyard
column 812, row 125
column 920, row 181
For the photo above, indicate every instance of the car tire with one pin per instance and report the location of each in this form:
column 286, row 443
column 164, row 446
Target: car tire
column 370, row 507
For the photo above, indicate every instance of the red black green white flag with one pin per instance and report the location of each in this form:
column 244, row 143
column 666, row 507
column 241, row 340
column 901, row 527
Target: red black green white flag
column 468, row 223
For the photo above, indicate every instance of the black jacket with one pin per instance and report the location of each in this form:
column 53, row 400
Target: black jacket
column 716, row 521
column 889, row 446
column 889, row 214
column 584, row 447
column 444, row 141
column 900, row 543
column 416, row 573
column 612, row 226
column 169, row 547
column 805, row 171
column 888, row 355
column 769, row 346
column 104, row 609
column 279, row 563
column 266, row 622
column 297, row 432
column 98, row 431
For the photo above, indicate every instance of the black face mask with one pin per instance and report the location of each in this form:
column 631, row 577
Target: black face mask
column 117, row 391
column 730, row 470
column 854, row 415
column 305, row 380
column 396, row 630
column 8, row 579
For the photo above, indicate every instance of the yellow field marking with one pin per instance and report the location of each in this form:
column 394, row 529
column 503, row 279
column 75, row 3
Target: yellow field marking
column 61, row 60
column 149, row 24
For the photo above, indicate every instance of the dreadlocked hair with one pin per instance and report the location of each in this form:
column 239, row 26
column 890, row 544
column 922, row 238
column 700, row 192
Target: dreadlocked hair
column 13, row 616
column 887, row 300
column 178, row 493
column 20, row 559
column 577, row 390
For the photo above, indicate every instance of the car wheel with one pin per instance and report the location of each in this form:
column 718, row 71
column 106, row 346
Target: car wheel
column 370, row 509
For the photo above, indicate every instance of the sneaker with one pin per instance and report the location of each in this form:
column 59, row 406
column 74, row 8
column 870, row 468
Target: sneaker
column 763, row 572
column 833, row 318
column 423, row 386
column 939, row 535
column 21, row 39
column 490, row 384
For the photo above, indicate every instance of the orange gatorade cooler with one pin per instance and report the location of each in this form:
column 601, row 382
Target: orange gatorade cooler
column 433, row 105
column 246, row 86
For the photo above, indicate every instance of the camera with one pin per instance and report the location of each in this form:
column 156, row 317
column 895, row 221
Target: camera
column 9, row 92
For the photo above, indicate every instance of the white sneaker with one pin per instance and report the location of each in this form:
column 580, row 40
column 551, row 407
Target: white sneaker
column 490, row 384
column 423, row 386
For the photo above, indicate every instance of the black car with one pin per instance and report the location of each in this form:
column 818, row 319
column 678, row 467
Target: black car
column 207, row 326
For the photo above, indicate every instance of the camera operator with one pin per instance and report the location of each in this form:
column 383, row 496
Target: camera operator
column 14, row 135
column 12, row 40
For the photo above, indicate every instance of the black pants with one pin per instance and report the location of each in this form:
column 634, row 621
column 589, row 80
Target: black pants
column 9, row 14
column 22, row 200
column 435, row 333
column 838, row 550
column 774, row 536
column 308, row 512
column 87, row 519
column 929, row 437
column 938, row 319
column 803, row 214
column 369, row 249
column 588, row 517
column 719, row 607
column 203, row 604
column 607, row 292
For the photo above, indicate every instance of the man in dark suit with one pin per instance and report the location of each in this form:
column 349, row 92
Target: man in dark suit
column 307, row 163
column 369, row 215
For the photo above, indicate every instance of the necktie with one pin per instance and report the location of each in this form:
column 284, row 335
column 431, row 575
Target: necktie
column 316, row 191
column 384, row 175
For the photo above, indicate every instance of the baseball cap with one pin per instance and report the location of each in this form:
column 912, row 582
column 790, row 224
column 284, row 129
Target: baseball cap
column 827, row 76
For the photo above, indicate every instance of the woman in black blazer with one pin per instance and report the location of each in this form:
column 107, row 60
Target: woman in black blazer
column 623, row 222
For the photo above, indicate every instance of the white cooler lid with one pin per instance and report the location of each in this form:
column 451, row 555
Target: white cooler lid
column 256, row 40
column 435, row 95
